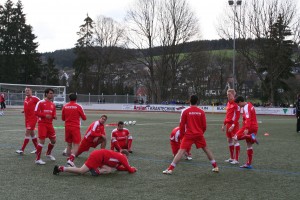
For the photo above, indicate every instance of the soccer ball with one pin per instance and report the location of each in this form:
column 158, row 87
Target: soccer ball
column 130, row 122
column 125, row 123
column 133, row 122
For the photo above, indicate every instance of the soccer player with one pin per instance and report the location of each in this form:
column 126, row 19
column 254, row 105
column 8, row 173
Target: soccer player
column 45, row 111
column 71, row 114
column 2, row 103
column 121, row 138
column 231, row 123
column 101, row 161
column 30, row 120
column 298, row 113
column 249, row 129
column 94, row 136
column 175, row 140
column 192, row 126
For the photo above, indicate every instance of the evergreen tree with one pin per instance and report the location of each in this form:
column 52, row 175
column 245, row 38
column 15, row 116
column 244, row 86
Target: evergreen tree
column 19, row 58
column 84, row 60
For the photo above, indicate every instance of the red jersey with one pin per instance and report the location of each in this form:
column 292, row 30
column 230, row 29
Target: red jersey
column 2, row 98
column 29, row 106
column 71, row 114
column 120, row 135
column 192, row 121
column 43, row 108
column 96, row 129
column 232, row 113
column 175, row 135
column 249, row 117
column 101, row 157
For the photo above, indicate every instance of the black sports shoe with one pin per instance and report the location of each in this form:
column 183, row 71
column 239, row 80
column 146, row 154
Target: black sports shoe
column 56, row 170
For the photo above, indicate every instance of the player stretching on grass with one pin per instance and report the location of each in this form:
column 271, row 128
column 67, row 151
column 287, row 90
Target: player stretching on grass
column 175, row 140
column 46, row 112
column 249, row 130
column 94, row 136
column 192, row 126
column 231, row 123
column 121, row 138
column 101, row 161
column 71, row 114
column 30, row 120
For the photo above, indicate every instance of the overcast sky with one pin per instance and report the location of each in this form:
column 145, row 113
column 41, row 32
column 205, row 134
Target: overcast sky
column 55, row 22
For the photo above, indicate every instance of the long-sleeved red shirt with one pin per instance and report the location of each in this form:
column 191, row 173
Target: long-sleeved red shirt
column 249, row 117
column 232, row 113
column 96, row 129
column 71, row 114
column 43, row 108
column 192, row 121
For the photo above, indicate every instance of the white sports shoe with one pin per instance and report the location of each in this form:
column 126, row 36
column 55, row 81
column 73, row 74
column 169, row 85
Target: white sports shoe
column 216, row 170
column 70, row 163
column 64, row 153
column 19, row 151
column 229, row 160
column 33, row 152
column 188, row 158
column 234, row 162
column 167, row 171
column 50, row 157
column 40, row 162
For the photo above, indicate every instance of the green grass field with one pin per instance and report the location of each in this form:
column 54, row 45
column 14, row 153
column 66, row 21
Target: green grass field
column 275, row 173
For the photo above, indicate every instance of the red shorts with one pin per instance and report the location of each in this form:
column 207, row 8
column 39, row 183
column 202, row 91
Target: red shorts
column 46, row 131
column 233, row 132
column 189, row 140
column 91, row 162
column 85, row 145
column 250, row 131
column 72, row 134
column 175, row 147
column 123, row 144
column 30, row 124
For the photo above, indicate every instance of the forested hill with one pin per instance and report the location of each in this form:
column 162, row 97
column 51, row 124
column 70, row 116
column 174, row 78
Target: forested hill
column 64, row 58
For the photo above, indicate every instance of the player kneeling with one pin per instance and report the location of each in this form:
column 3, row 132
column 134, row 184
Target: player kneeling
column 99, row 162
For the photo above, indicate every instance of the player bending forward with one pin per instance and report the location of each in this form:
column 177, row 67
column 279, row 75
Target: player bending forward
column 175, row 140
column 99, row 162
column 94, row 136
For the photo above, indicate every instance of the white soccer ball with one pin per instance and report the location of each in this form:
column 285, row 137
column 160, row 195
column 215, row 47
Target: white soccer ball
column 126, row 123
column 130, row 122
column 133, row 122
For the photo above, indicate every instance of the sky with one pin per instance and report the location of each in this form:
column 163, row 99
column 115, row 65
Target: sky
column 56, row 22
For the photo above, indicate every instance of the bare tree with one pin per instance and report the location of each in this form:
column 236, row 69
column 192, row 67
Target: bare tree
column 255, row 24
column 109, row 38
column 167, row 25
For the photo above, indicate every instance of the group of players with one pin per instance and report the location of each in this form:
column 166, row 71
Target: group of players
column 190, row 131
column 193, row 126
column 100, row 161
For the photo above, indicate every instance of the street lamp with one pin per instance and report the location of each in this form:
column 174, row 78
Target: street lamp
column 234, row 3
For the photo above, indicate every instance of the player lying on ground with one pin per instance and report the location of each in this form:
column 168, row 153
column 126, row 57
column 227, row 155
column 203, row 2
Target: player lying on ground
column 101, row 161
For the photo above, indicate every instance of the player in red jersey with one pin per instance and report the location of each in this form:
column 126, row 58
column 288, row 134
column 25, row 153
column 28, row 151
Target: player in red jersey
column 71, row 114
column 192, row 126
column 2, row 103
column 249, row 130
column 30, row 120
column 121, row 138
column 231, row 124
column 175, row 141
column 94, row 136
column 45, row 111
column 101, row 161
